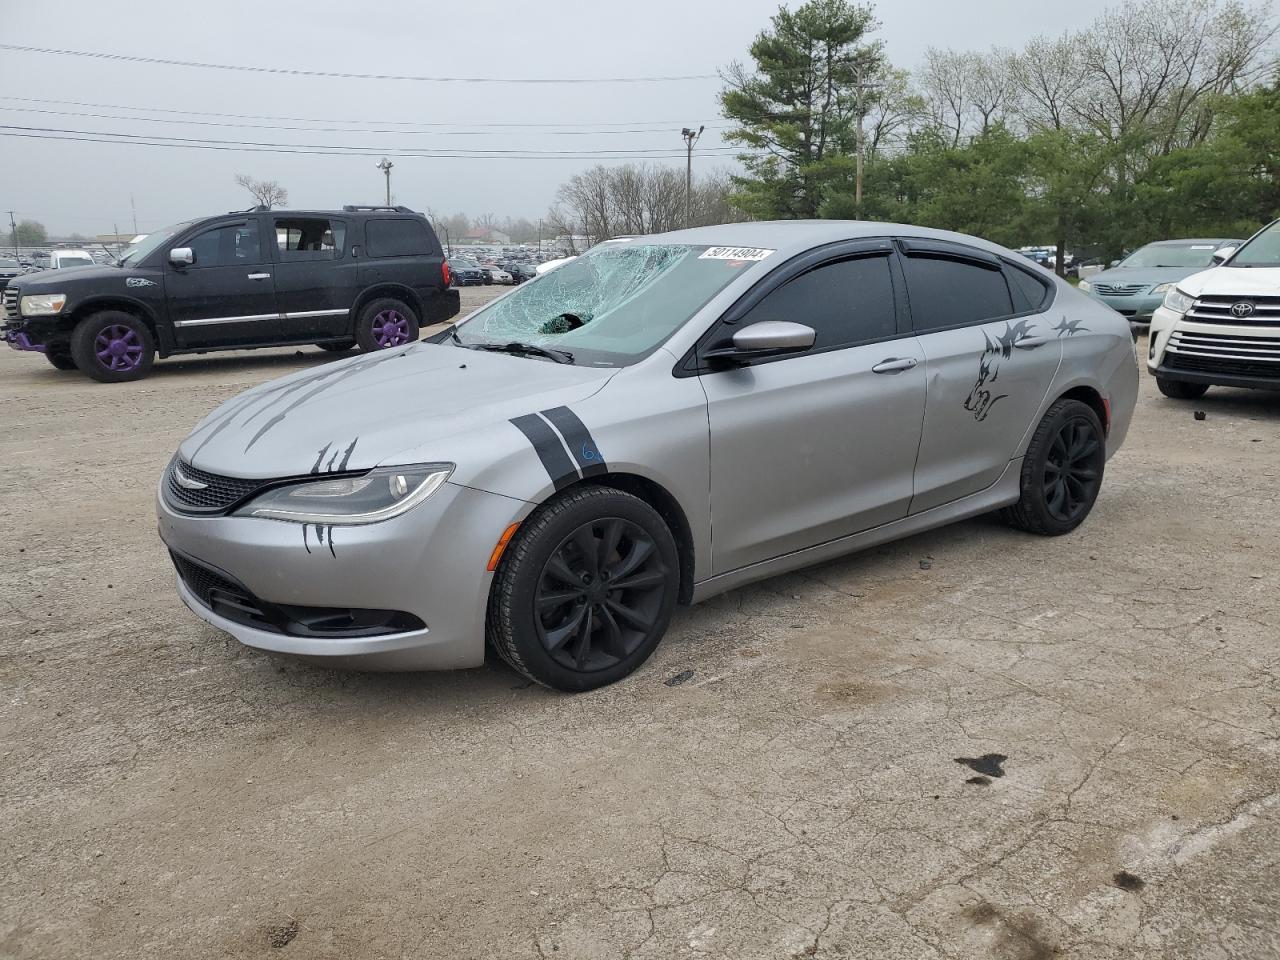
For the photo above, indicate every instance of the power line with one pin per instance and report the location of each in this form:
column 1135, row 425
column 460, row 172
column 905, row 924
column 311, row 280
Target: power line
column 86, row 136
column 662, row 125
column 282, row 71
column 262, row 126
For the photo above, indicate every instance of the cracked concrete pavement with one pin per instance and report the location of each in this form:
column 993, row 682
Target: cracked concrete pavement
column 167, row 792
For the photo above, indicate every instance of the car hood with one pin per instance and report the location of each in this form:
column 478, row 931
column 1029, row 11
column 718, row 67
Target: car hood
column 48, row 281
column 1234, row 282
column 361, row 412
column 1151, row 276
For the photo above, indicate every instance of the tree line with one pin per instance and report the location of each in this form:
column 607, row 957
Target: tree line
column 1160, row 119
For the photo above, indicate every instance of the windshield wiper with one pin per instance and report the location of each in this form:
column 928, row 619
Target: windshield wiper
column 525, row 349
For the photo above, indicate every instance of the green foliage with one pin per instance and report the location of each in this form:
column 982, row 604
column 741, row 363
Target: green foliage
column 31, row 233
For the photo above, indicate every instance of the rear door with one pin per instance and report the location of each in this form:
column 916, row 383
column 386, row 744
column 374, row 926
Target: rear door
column 816, row 446
column 403, row 251
column 227, row 295
column 990, row 357
column 315, row 276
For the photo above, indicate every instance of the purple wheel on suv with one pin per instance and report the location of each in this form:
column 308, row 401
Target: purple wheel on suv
column 390, row 328
column 119, row 348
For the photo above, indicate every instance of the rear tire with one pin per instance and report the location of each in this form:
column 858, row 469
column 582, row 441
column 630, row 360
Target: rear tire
column 585, row 592
column 1181, row 389
column 1061, row 471
column 386, row 323
column 113, row 347
column 60, row 358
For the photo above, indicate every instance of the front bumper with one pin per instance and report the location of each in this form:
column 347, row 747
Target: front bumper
column 1138, row 308
column 19, row 339
column 430, row 563
column 1220, row 354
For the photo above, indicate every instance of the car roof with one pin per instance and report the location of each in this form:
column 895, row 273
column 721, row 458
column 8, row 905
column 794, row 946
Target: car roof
column 794, row 236
column 1185, row 243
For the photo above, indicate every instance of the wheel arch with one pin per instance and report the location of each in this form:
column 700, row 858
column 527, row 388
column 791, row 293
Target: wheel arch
column 159, row 332
column 397, row 290
column 1092, row 398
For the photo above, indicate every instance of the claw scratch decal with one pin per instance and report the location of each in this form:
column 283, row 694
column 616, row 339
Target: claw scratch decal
column 1069, row 328
column 982, row 398
column 333, row 466
column 554, row 431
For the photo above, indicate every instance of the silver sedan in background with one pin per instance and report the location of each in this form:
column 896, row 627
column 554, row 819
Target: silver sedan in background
column 655, row 422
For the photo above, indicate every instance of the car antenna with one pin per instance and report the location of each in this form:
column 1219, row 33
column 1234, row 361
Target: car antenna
column 107, row 251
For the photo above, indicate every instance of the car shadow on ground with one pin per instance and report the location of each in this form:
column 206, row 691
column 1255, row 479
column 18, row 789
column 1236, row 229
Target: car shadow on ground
column 231, row 363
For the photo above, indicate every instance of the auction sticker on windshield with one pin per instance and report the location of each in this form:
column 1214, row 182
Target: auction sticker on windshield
column 734, row 253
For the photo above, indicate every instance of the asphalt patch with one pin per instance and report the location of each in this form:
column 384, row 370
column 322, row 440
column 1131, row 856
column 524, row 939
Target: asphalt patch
column 1128, row 881
column 990, row 764
column 683, row 676
column 280, row 935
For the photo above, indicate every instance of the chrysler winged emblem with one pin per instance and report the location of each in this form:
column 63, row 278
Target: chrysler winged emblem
column 186, row 482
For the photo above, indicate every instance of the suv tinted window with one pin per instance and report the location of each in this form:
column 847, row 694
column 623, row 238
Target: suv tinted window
column 1029, row 291
column 950, row 293
column 397, row 238
column 228, row 245
column 846, row 302
column 309, row 238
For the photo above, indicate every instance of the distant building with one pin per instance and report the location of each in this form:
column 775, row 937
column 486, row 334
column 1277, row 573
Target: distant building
column 486, row 236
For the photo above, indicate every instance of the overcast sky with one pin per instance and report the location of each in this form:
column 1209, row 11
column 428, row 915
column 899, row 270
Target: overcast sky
column 86, row 187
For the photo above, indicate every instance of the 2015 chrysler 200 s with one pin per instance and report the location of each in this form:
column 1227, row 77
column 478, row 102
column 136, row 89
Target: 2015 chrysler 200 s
column 657, row 421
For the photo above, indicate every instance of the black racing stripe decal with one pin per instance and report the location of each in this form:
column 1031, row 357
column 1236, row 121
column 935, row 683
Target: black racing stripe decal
column 549, row 449
column 579, row 440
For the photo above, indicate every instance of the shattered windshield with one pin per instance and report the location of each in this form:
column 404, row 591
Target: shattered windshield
column 613, row 305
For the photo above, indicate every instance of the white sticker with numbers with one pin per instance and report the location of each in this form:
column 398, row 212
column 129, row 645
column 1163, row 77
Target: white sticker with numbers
column 735, row 253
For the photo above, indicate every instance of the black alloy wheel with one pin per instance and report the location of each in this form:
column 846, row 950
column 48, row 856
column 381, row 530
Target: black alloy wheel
column 1073, row 470
column 600, row 595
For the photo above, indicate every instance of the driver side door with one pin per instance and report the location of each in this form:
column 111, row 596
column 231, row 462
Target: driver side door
column 818, row 445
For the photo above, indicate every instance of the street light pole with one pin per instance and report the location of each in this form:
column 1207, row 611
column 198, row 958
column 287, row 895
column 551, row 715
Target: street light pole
column 14, row 227
column 690, row 138
column 385, row 166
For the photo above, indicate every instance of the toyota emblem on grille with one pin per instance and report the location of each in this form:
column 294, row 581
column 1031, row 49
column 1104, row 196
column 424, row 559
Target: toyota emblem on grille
column 186, row 482
column 1242, row 309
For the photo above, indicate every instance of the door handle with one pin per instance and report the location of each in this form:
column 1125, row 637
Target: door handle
column 259, row 276
column 1030, row 343
column 895, row 365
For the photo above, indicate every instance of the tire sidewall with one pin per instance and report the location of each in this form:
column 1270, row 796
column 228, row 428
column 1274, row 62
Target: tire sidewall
column 1181, row 389
column 525, row 571
column 1033, row 479
column 86, row 359
column 364, row 325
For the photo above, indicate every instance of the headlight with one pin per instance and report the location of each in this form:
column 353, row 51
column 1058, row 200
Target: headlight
column 42, row 304
column 1085, row 286
column 1164, row 288
column 1177, row 301
column 376, row 496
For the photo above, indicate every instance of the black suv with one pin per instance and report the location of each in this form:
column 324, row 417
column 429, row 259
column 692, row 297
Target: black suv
column 366, row 276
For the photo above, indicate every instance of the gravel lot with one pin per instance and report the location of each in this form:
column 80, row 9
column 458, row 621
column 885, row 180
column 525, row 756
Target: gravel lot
column 823, row 781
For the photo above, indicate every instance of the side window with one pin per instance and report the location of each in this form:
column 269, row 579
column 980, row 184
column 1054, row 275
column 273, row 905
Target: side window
column 1029, row 292
column 309, row 238
column 227, row 246
column 846, row 302
column 397, row 238
column 950, row 293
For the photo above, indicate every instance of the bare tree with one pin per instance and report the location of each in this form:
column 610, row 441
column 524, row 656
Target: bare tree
column 946, row 79
column 268, row 193
column 1048, row 75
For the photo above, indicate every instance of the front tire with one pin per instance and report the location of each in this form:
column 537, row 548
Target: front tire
column 584, row 594
column 1180, row 389
column 1061, row 471
column 113, row 347
column 386, row 323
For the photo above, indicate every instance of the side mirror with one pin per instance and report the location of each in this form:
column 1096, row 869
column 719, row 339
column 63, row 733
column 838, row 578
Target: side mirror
column 766, row 338
column 182, row 256
column 1222, row 254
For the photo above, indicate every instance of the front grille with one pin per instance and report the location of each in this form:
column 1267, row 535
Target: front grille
column 1217, row 309
column 11, row 303
column 218, row 492
column 222, row 595
column 1119, row 289
column 1229, row 355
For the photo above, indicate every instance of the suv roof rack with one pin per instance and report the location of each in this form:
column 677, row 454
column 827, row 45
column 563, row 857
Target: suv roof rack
column 375, row 208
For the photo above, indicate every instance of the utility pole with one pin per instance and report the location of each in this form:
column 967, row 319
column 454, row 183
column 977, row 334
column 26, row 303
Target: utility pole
column 134, row 207
column 861, row 88
column 690, row 138
column 385, row 166
column 539, row 236
column 14, row 227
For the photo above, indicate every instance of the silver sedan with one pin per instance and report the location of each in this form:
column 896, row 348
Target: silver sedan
column 655, row 422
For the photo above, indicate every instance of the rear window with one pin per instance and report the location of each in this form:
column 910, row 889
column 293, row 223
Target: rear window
column 1029, row 292
column 398, row 238
column 951, row 293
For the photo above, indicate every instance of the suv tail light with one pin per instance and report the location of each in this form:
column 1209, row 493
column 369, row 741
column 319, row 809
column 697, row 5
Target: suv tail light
column 446, row 273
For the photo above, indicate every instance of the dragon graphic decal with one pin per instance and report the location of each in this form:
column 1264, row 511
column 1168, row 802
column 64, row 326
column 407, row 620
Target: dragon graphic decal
column 334, row 465
column 1069, row 328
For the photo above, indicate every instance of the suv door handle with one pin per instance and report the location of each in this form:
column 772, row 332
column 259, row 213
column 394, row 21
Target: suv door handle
column 894, row 365
column 1030, row 343
column 259, row 276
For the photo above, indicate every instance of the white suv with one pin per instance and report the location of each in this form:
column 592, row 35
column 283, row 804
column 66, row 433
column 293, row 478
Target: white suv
column 1222, row 326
